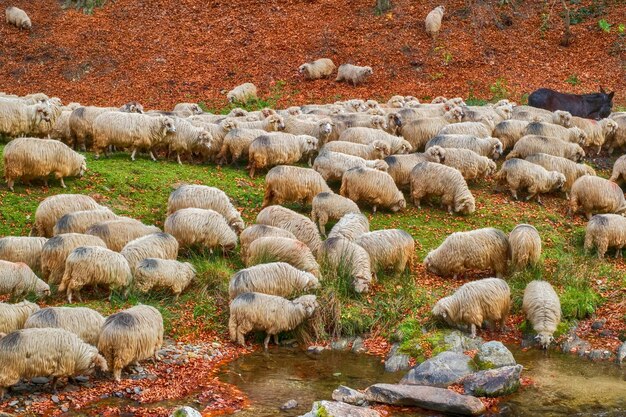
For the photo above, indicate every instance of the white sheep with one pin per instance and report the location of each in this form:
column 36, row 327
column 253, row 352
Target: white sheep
column 279, row 148
column 525, row 244
column 342, row 258
column 596, row 195
column 23, row 249
column 118, row 232
column 52, row 208
column 17, row 279
column 330, row 206
column 542, row 308
column 519, row 174
column 509, row 132
column 282, row 249
column 353, row 74
column 237, row 144
column 366, row 135
column 275, row 278
column 567, row 167
column 489, row 147
column 286, row 183
column 604, row 231
column 153, row 272
column 374, row 150
column 433, row 21
column 242, row 93
column 350, row 226
column 531, row 144
column 80, row 221
column 301, row 226
column 388, row 249
column 400, row 166
column 572, row 134
column 203, row 227
column 13, row 316
column 618, row 174
column 17, row 17
column 373, row 187
column 320, row 68
column 82, row 321
column 468, row 163
column 332, row 165
column 186, row 138
column 431, row 179
column 596, row 132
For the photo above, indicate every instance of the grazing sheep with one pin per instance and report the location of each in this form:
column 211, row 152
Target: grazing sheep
column 276, row 278
column 117, row 233
column 254, row 311
column 431, row 179
column 285, row 183
column 468, row 163
column 282, row 249
column 165, row 273
column 301, row 226
column 489, row 147
column 619, row 170
column 56, row 250
column 17, row 279
column 596, row 132
column 519, row 174
column 353, row 74
column 51, row 209
column 483, row 128
column 366, row 135
column 373, row 187
column 377, row 149
column 94, row 265
column 475, row 302
column 52, row 353
column 531, row 114
column 188, row 109
column 130, row 336
column 186, row 138
column 218, row 133
column 29, row 158
column 23, row 249
column 255, row 231
column 572, row 134
column 418, row 132
column 242, row 93
column 531, row 144
column 332, row 165
column 400, row 166
column 350, row 226
column 82, row 321
column 330, row 206
column 271, row 123
column 13, row 316
column 596, row 195
column 80, row 221
column 341, row 257
column 203, row 227
column 345, row 121
column 525, row 244
column 604, row 231
column 388, row 249
column 480, row 249
column 320, row 129
column 567, row 167
column 18, row 18
column 497, row 114
column 320, row 68
column 542, row 308
column 61, row 129
column 237, row 144
column 279, row 149
column 618, row 139
column 509, row 132
column 433, row 21
column 204, row 197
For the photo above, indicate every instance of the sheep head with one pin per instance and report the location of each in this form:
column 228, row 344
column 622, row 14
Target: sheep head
column 563, row 118
column 558, row 180
column 465, row 205
column 308, row 302
column 168, row 125
column 609, row 127
column 544, row 339
column 361, row 284
column 439, row 100
column 325, row 126
column 496, row 149
column 400, row 203
column 579, row 154
column 98, row 362
column 378, row 122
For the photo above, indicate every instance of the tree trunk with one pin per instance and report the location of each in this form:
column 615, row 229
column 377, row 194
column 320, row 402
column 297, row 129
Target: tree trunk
column 567, row 36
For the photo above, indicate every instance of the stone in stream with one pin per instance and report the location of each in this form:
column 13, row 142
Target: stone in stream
column 430, row 398
column 457, row 341
column 357, row 345
column 348, row 395
column 289, row 405
column 494, row 382
column 396, row 361
column 621, row 353
column 185, row 411
column 40, row 380
column 337, row 409
column 441, row 371
column 494, row 355
column 340, row 344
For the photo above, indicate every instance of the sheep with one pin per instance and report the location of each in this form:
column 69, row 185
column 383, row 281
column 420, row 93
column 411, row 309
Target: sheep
column 372, row 186
column 350, row 226
column 428, row 179
column 597, row 132
column 242, row 93
column 278, row 149
column 525, row 244
column 596, row 195
column 542, row 308
column 118, row 232
column 17, row 279
column 272, row 123
column 509, row 132
column 353, row 74
column 320, row 68
column 388, row 249
column 400, row 166
column 343, row 122
column 130, row 130
column 29, row 158
column 51, row 209
column 530, row 114
column 332, row 165
column 519, row 174
column 94, row 265
column 189, row 109
column 276, row 278
column 618, row 174
column 80, row 221
column 237, row 143
column 433, row 21
column 366, row 135
column 82, row 321
column 567, row 167
column 474, row 302
column 572, row 134
column 374, row 150
column 61, row 129
column 320, row 129
column 204, row 197
column 218, row 133
column 255, row 231
column 468, row 163
column 486, row 248
column 272, row 314
column 56, row 250
column 203, row 227
column 604, row 231
column 301, row 226
column 618, row 139
column 186, row 138
column 282, row 249
column 20, row 119
column 18, row 18
column 153, row 272
column 286, row 183
column 130, row 336
column 45, row 128
column 497, row 114
column 13, row 316
column 483, row 128
column 23, row 249
column 418, row 132
column 55, row 353
column 330, row 206
column 489, row 147
column 342, row 258
column 531, row 144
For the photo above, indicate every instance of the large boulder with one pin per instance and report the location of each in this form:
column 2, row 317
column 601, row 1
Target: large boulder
column 441, row 371
column 494, row 355
column 494, row 382
column 185, row 411
column 458, row 341
column 429, row 398
column 337, row 409
column 348, row 395
column 396, row 361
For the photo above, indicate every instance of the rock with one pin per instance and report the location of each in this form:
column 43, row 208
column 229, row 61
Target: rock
column 348, row 395
column 341, row 344
column 55, row 399
column 40, row 380
column 289, row 405
column 337, row 409
column 494, row 355
column 82, row 379
column 458, row 341
column 430, row 398
column 65, row 409
column 185, row 411
column 606, row 333
column 574, row 344
column 599, row 354
column 13, row 403
column 396, row 361
column 357, row 345
column 494, row 382
column 598, row 324
column 137, row 390
column 441, row 371
column 621, row 353
column 315, row 349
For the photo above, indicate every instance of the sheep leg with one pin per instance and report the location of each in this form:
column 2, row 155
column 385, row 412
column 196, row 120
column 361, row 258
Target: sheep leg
column 178, row 158
column 618, row 252
column 252, row 172
column 374, row 209
column 69, row 295
column 54, row 385
column 589, row 215
column 266, row 341
column 154, row 157
column 514, row 193
column 45, row 182
column 62, row 182
column 10, row 184
column 132, row 155
column 276, row 339
column 473, row 331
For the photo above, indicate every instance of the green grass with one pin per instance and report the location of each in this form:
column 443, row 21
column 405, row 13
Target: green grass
column 87, row 6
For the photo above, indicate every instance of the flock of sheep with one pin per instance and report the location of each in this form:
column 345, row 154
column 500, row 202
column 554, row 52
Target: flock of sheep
column 363, row 145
